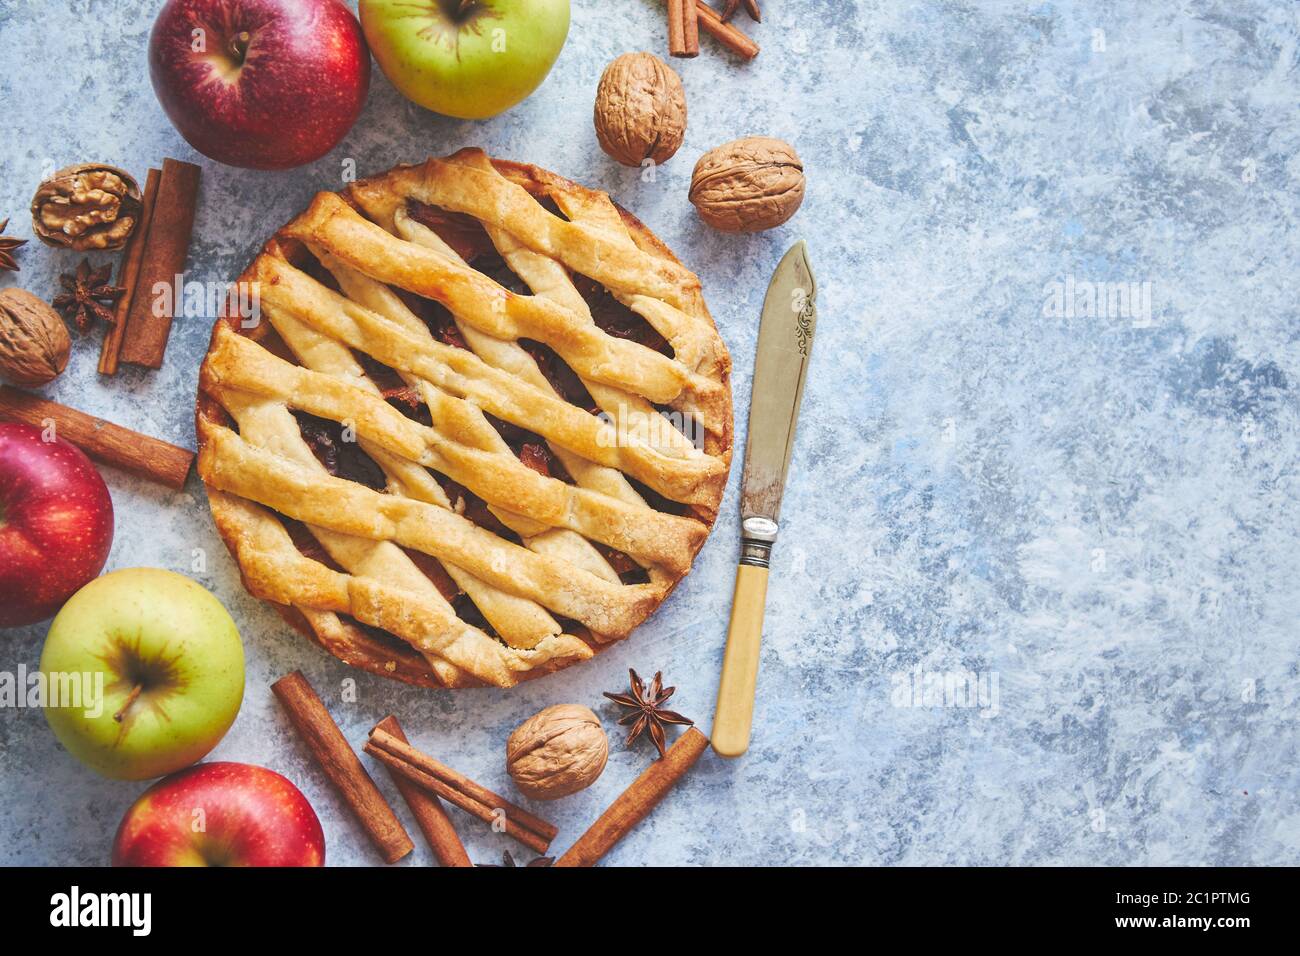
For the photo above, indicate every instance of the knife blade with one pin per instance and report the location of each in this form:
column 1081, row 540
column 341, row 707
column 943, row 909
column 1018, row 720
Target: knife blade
column 785, row 339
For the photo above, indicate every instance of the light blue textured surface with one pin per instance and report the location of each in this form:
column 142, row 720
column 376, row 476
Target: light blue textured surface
column 1098, row 514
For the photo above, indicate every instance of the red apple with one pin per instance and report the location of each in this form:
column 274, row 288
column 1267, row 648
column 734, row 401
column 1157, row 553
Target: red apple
column 220, row 814
column 56, row 523
column 268, row 84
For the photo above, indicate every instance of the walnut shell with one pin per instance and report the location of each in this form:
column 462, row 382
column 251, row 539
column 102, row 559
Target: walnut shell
column 34, row 343
column 748, row 185
column 556, row 752
column 88, row 206
column 640, row 110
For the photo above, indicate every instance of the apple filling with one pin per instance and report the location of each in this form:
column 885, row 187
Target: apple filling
column 341, row 457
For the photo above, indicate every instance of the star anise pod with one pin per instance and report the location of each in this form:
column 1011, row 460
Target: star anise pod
column 7, row 246
column 648, row 710
column 88, row 295
column 751, row 7
column 509, row 861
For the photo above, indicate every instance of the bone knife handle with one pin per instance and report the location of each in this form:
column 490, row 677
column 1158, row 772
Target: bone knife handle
column 735, row 710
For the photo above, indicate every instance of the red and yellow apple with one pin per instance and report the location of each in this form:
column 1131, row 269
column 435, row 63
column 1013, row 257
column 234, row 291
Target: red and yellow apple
column 169, row 661
column 56, row 523
column 221, row 814
column 466, row 58
column 268, row 84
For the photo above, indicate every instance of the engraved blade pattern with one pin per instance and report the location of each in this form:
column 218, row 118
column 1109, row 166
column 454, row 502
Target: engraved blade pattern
column 785, row 340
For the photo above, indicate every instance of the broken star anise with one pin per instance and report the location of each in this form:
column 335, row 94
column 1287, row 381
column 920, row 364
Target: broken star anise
column 88, row 295
column 648, row 710
column 7, row 246
column 751, row 7
column 509, row 861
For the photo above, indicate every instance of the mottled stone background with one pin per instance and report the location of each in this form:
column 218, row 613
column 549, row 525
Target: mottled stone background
column 1098, row 513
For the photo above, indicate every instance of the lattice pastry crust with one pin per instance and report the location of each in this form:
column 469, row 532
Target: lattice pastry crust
column 517, row 497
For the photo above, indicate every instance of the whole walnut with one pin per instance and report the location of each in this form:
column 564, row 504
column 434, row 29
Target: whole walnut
column 748, row 185
column 556, row 752
column 640, row 110
column 34, row 343
column 89, row 206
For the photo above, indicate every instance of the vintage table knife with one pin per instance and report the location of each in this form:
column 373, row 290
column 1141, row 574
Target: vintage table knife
column 784, row 346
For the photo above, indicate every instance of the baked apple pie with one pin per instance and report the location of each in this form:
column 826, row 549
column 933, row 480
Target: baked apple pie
column 479, row 429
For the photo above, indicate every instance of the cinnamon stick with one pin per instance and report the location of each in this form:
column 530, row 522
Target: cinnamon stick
column 341, row 766
column 103, row 441
column 441, row 788
column 730, row 37
column 429, row 813
column 636, row 802
column 111, row 350
column 676, row 28
column 459, row 790
column 683, row 29
column 691, row 29
column 166, row 247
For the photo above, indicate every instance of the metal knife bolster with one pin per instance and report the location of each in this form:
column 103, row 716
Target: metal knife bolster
column 757, row 536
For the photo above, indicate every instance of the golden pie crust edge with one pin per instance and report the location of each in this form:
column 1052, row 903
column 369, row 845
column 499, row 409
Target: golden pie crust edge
column 390, row 656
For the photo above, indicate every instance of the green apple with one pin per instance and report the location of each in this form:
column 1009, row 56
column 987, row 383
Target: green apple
column 161, row 669
column 466, row 58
